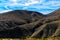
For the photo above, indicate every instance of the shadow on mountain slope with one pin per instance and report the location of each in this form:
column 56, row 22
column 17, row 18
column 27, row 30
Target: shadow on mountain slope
column 23, row 24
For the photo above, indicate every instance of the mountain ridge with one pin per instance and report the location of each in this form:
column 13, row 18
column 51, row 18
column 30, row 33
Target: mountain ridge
column 23, row 24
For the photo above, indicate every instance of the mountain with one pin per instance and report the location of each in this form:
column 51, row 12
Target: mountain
column 24, row 24
column 10, row 21
column 55, row 13
column 20, row 15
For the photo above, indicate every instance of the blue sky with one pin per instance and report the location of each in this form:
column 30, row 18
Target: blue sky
column 43, row 6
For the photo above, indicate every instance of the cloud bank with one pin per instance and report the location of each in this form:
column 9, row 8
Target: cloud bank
column 43, row 6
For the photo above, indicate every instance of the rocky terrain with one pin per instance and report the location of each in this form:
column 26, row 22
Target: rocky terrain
column 25, row 24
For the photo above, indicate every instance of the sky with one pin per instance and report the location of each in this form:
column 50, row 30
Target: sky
column 42, row 6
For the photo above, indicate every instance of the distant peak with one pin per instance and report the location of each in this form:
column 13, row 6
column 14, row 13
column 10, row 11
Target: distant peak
column 56, row 12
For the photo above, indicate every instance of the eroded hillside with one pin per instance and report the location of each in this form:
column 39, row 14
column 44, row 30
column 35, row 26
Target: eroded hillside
column 23, row 24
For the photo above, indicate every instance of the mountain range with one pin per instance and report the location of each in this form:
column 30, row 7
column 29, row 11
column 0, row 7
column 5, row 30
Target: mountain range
column 25, row 24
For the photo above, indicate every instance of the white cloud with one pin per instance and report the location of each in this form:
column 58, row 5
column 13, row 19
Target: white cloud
column 53, row 3
column 14, row 1
column 4, row 11
column 48, row 5
column 41, row 1
column 31, row 2
column 45, row 5
column 28, row 3
column 37, row 4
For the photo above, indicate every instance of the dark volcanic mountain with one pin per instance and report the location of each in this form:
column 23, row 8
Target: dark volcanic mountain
column 21, row 15
column 23, row 24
